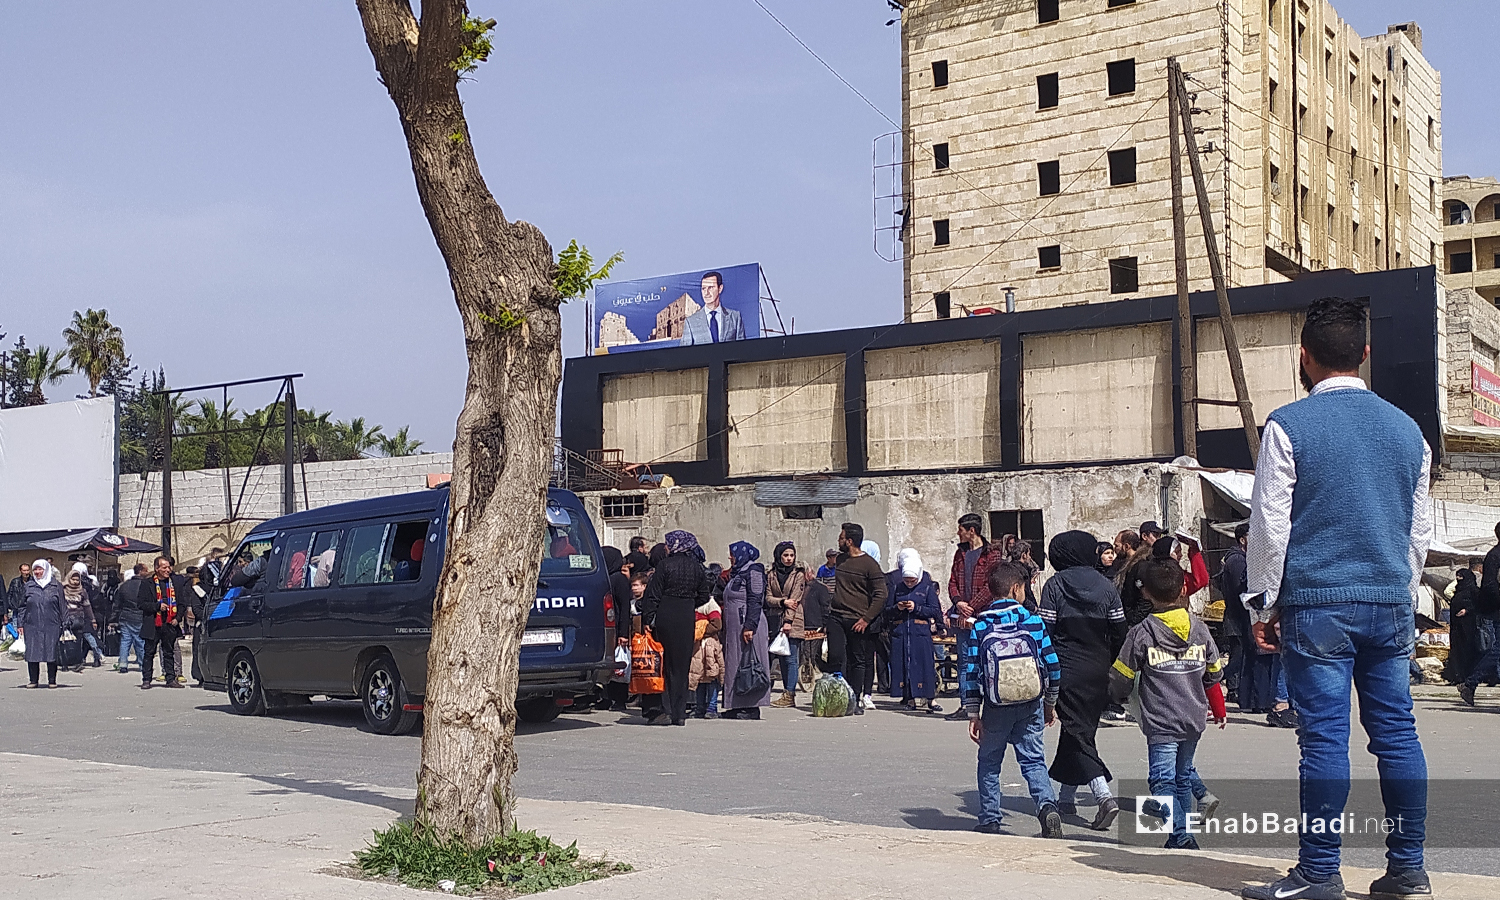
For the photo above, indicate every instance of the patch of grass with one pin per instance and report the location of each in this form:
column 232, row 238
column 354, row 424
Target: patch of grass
column 521, row 862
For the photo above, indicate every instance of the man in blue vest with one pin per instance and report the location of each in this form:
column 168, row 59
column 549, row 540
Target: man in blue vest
column 1339, row 532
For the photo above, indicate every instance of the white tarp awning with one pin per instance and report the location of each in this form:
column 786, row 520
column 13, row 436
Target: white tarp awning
column 1235, row 487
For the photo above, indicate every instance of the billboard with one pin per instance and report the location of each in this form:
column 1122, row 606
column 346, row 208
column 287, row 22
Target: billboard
column 703, row 307
column 58, row 466
column 1486, row 397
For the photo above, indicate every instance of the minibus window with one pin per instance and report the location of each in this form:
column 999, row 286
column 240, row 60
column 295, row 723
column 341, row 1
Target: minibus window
column 295, row 575
column 405, row 560
column 362, row 554
column 567, row 548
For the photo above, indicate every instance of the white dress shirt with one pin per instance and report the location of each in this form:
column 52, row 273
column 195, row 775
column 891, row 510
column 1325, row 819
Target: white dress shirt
column 1271, row 511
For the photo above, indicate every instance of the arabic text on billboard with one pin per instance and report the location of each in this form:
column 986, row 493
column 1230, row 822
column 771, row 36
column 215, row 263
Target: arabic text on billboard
column 1486, row 397
column 705, row 307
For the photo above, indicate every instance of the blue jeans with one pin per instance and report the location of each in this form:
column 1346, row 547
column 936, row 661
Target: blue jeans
column 1172, row 774
column 1020, row 727
column 1324, row 648
column 130, row 636
column 1281, row 692
column 706, row 698
column 790, row 665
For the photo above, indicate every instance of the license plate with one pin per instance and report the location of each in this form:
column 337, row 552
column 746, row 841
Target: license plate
column 542, row 636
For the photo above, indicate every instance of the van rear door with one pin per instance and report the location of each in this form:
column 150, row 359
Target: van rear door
column 566, row 630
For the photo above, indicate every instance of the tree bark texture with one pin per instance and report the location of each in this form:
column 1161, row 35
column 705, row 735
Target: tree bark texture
column 501, row 272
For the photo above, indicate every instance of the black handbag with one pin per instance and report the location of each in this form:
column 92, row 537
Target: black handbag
column 69, row 653
column 752, row 677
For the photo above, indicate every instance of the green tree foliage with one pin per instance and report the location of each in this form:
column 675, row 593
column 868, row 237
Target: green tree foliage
column 576, row 274
column 96, row 346
column 17, row 389
column 399, row 444
column 44, row 367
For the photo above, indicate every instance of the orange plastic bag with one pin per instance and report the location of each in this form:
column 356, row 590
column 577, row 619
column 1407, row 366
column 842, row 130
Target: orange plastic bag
column 646, row 665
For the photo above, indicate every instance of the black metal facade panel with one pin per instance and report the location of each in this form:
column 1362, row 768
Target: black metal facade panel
column 1403, row 358
column 831, row 491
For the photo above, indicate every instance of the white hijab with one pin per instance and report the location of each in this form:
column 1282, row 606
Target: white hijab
column 46, row 578
column 910, row 563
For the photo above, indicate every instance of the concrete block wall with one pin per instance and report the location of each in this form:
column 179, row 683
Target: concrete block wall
column 1468, row 478
column 199, row 497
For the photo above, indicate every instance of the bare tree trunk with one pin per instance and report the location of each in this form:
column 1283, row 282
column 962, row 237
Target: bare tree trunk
column 501, row 274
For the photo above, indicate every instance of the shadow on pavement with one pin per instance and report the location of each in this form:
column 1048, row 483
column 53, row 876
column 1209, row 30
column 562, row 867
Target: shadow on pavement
column 335, row 791
column 1216, row 874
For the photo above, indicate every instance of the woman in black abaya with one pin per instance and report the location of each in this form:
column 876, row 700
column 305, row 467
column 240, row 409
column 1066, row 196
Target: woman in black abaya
column 1087, row 623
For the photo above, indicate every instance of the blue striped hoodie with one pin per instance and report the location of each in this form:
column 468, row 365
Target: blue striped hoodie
column 1002, row 614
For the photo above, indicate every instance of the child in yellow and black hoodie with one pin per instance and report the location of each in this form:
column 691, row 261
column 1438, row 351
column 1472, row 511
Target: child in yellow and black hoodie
column 1180, row 669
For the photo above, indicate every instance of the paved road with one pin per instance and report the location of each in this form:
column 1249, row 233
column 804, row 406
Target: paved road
column 885, row 768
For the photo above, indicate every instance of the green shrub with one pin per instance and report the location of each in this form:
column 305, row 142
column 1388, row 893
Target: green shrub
column 522, row 861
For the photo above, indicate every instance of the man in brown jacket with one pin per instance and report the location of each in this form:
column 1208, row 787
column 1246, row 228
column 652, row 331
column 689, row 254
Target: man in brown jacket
column 859, row 594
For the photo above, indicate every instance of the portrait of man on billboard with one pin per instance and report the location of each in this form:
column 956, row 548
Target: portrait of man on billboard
column 714, row 323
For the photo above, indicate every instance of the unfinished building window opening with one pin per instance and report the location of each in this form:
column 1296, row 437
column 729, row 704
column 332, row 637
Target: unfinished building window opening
column 1048, row 178
column 623, row 506
column 1046, row 91
column 1049, row 257
column 1122, row 166
column 1124, row 275
column 1025, row 524
column 1275, row 180
column 940, row 232
column 1117, row 3
column 1459, row 263
column 806, row 511
column 1046, row 11
column 939, row 73
column 942, row 302
column 940, row 156
column 1121, row 76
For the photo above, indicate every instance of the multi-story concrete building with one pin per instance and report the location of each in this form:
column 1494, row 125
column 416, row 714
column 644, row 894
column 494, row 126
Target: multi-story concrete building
column 1471, row 235
column 1036, row 147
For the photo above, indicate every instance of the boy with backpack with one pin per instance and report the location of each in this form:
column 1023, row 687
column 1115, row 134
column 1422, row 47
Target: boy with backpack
column 1009, row 685
column 1179, row 668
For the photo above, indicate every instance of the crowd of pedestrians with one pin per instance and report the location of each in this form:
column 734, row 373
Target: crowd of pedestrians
column 1317, row 604
column 66, row 621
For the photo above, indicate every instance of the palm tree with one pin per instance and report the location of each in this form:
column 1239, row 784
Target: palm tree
column 43, row 367
column 399, row 445
column 356, row 438
column 95, row 346
column 211, row 423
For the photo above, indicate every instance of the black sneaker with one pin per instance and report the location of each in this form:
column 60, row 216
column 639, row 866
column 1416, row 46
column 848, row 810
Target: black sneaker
column 1282, row 718
column 1466, row 694
column 1295, row 886
column 1051, row 821
column 1182, row 842
column 988, row 828
column 958, row 715
column 1402, row 884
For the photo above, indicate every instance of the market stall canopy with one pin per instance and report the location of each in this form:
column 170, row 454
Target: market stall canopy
column 1234, row 487
column 101, row 539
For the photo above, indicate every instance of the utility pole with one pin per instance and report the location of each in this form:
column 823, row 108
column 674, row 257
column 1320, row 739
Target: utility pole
column 166, row 473
column 1186, row 336
column 288, row 468
column 1215, row 265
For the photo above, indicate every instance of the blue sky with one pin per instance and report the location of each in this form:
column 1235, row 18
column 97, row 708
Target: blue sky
column 230, row 181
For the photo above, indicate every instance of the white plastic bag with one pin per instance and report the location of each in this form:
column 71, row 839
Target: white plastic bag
column 18, row 648
column 781, row 646
column 622, row 665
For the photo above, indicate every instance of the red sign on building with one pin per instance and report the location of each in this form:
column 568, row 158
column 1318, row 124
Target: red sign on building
column 1486, row 397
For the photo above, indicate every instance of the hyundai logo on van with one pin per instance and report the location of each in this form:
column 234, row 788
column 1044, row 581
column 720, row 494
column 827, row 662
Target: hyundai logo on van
column 558, row 603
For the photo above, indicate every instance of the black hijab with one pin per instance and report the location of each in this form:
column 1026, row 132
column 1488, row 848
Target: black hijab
column 639, row 562
column 783, row 572
column 658, row 553
column 1073, row 550
column 613, row 559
